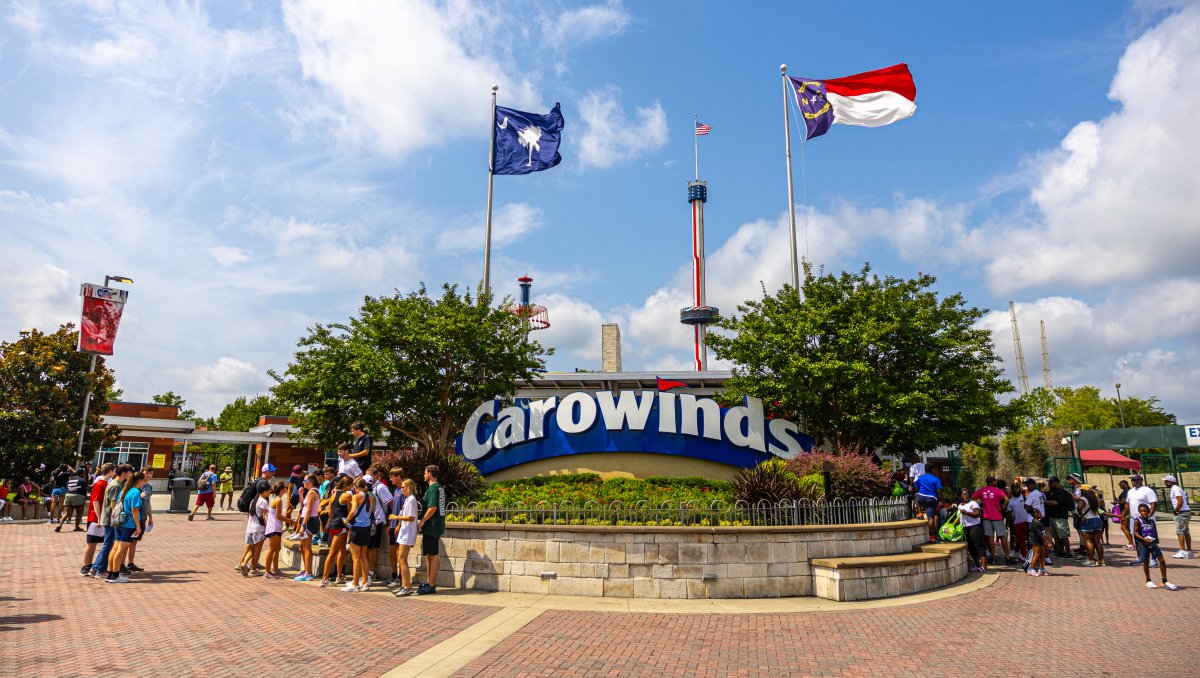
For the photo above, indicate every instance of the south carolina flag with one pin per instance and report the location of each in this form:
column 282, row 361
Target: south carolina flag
column 870, row 99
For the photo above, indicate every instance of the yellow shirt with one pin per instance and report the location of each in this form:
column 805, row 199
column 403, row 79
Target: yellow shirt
column 226, row 485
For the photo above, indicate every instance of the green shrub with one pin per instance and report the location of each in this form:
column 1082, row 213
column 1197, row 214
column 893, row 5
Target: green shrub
column 588, row 487
column 458, row 476
column 853, row 475
column 812, row 486
column 769, row 481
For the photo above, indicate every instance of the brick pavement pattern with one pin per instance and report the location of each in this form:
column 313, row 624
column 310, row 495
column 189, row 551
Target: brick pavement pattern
column 1022, row 626
column 191, row 614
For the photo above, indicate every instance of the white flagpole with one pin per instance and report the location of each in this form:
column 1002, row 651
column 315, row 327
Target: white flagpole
column 787, row 135
column 487, row 229
column 696, row 138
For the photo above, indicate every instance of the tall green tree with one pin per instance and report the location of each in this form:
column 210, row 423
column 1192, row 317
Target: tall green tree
column 881, row 363
column 243, row 413
column 43, row 381
column 411, row 365
column 169, row 398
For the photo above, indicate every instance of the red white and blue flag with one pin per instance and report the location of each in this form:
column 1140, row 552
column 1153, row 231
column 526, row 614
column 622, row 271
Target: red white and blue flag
column 702, row 129
column 870, row 99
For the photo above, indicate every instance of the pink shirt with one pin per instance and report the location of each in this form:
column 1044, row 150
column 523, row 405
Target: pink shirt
column 992, row 500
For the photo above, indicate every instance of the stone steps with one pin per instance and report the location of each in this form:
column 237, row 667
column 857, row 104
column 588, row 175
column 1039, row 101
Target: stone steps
column 868, row 577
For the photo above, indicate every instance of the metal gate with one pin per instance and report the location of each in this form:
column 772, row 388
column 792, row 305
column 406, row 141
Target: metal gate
column 1062, row 467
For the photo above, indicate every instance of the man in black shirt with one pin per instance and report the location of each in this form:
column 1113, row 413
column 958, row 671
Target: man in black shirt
column 361, row 452
column 1059, row 503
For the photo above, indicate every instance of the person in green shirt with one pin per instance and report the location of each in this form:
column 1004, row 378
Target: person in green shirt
column 432, row 527
column 225, row 487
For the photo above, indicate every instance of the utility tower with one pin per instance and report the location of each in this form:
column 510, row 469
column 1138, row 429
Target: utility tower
column 1045, row 360
column 1022, row 375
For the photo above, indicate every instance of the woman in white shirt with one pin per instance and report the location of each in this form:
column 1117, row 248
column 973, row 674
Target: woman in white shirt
column 970, row 515
column 406, row 535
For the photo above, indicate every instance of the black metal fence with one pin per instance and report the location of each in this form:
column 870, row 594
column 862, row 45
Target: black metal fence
column 696, row 514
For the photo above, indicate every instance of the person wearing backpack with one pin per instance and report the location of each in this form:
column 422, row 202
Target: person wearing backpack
column 206, row 489
column 112, row 495
column 256, row 532
column 75, row 500
column 336, row 504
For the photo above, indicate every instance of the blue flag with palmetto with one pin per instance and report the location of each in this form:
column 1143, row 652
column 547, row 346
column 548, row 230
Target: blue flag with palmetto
column 526, row 142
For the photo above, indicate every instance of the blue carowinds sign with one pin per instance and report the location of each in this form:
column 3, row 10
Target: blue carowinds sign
column 656, row 422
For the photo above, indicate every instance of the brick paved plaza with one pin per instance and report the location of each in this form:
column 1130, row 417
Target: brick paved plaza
column 191, row 614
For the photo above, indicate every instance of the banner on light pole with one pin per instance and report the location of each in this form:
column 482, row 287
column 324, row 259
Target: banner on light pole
column 102, row 307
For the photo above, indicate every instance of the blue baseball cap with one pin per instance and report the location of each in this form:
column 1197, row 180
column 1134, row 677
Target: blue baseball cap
column 268, row 467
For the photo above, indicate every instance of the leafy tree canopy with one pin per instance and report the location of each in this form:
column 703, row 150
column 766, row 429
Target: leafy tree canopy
column 169, row 398
column 43, row 381
column 243, row 413
column 412, row 365
column 880, row 363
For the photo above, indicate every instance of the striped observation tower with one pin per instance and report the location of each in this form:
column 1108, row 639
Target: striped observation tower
column 699, row 314
column 535, row 314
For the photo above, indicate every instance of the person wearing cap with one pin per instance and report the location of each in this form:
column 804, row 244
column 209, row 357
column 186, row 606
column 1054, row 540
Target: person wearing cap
column 206, row 489
column 296, row 480
column 1183, row 516
column 1075, row 480
column 225, row 488
column 1139, row 496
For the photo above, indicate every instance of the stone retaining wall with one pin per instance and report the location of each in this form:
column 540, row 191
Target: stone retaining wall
column 660, row 562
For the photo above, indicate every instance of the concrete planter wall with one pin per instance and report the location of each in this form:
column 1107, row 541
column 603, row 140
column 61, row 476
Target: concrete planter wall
column 690, row 562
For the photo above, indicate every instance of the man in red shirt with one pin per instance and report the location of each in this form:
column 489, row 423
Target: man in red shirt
column 994, row 501
column 95, row 533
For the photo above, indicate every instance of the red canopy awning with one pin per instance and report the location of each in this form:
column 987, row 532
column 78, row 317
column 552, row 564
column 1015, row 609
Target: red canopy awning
column 1107, row 458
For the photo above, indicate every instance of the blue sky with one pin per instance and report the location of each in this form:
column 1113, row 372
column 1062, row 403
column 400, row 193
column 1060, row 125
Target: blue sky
column 259, row 167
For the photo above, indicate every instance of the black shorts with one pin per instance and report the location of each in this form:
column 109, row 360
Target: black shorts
column 360, row 536
column 430, row 546
column 313, row 525
column 94, row 539
column 377, row 538
column 138, row 537
column 273, row 534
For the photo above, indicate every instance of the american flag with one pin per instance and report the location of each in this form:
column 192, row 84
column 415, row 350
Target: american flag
column 702, row 130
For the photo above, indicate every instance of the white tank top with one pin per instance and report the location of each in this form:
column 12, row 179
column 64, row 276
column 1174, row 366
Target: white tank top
column 274, row 524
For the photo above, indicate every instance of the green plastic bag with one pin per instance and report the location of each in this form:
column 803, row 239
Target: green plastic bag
column 898, row 490
column 952, row 529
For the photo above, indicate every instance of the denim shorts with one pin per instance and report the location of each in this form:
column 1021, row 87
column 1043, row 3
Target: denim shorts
column 58, row 492
column 124, row 534
column 1092, row 525
column 1148, row 551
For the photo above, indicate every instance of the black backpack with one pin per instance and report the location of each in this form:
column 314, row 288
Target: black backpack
column 246, row 499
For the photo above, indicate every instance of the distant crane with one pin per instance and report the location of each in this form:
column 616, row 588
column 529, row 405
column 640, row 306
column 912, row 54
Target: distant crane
column 1022, row 375
column 1045, row 360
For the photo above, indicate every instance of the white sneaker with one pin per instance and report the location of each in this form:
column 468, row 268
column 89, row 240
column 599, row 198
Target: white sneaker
column 370, row 579
column 1189, row 554
column 1151, row 585
column 121, row 579
column 1179, row 554
column 1170, row 587
column 349, row 588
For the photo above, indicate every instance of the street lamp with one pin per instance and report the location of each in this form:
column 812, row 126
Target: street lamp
column 117, row 278
column 1120, row 408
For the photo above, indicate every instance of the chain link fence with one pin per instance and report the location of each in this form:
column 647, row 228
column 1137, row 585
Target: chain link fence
column 694, row 514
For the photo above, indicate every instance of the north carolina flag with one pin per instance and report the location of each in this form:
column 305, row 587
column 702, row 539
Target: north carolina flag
column 870, row 99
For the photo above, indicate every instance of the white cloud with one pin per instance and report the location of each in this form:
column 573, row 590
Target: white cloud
column 1118, row 198
column 399, row 77
column 42, row 294
column 585, row 24
column 227, row 256
column 574, row 330
column 208, row 387
column 510, row 222
column 611, row 136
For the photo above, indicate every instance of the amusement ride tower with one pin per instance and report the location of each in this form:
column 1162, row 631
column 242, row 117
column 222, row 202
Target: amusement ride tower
column 535, row 314
column 700, row 314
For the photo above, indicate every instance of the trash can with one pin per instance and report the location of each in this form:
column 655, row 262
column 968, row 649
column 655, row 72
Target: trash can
column 181, row 495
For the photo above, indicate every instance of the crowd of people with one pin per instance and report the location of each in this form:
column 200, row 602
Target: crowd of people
column 1029, row 521
column 354, row 514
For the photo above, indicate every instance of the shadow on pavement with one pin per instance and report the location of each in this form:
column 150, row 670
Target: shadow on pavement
column 15, row 622
column 167, row 576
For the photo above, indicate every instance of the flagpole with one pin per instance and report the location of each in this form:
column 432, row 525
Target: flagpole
column 696, row 139
column 487, row 228
column 787, row 135
column 87, row 401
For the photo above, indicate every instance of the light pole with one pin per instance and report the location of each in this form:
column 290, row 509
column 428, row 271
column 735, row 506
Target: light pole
column 1120, row 408
column 87, row 398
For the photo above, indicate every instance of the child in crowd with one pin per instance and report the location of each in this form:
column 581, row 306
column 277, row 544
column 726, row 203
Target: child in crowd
column 5, row 507
column 1145, row 530
column 256, row 533
column 393, row 510
column 1036, row 567
column 337, row 504
column 273, row 529
column 406, row 535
